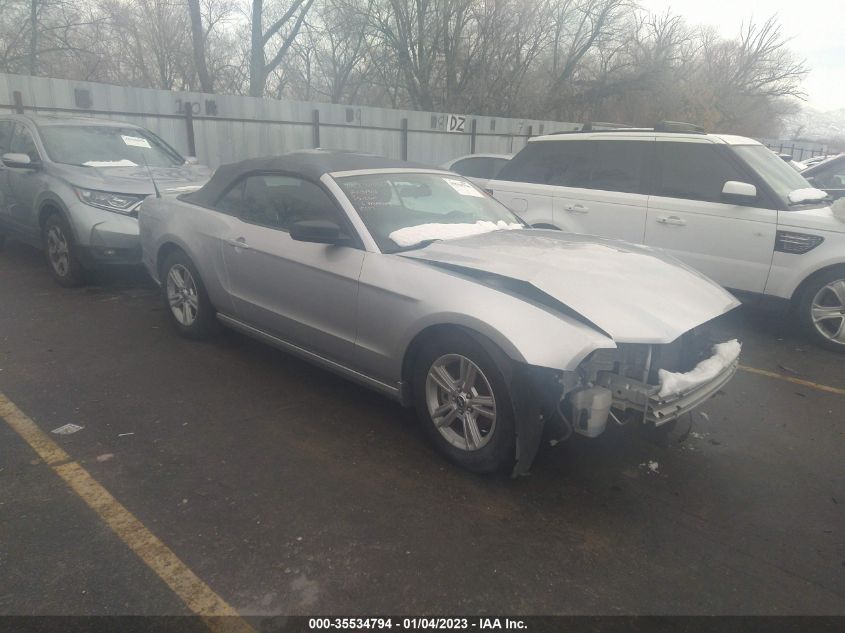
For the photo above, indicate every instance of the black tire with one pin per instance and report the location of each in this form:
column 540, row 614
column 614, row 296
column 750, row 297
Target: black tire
column 61, row 253
column 804, row 307
column 497, row 451
column 204, row 323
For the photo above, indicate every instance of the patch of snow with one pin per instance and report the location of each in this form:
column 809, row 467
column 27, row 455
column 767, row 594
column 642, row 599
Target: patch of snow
column 124, row 162
column 182, row 188
column 806, row 195
column 652, row 467
column 838, row 209
column 411, row 235
column 724, row 354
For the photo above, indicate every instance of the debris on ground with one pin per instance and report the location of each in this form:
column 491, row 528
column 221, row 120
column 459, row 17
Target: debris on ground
column 125, row 434
column 789, row 370
column 105, row 457
column 652, row 467
column 67, row 429
column 704, row 415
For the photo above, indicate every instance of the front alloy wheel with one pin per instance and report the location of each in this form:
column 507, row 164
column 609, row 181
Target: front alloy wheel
column 61, row 252
column 460, row 402
column 464, row 402
column 828, row 311
column 821, row 308
column 58, row 251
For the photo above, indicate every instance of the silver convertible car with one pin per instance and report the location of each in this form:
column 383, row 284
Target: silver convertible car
column 416, row 283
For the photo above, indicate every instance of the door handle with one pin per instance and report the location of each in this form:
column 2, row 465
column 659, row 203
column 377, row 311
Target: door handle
column 577, row 208
column 239, row 243
column 671, row 219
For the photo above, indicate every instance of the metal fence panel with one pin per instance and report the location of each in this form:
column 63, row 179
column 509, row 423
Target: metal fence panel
column 228, row 128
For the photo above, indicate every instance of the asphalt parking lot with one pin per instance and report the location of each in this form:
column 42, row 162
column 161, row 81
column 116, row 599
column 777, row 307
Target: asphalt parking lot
column 287, row 490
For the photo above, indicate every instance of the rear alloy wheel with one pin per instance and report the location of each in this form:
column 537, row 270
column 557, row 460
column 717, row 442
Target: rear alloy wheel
column 184, row 296
column 463, row 400
column 61, row 252
column 822, row 310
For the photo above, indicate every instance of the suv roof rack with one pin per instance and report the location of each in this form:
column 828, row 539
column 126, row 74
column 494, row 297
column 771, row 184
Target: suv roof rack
column 592, row 126
column 678, row 127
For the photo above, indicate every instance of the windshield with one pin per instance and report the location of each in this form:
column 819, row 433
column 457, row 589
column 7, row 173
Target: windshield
column 107, row 146
column 404, row 210
column 773, row 169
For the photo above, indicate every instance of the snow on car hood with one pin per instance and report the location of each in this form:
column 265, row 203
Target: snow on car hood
column 411, row 235
column 633, row 293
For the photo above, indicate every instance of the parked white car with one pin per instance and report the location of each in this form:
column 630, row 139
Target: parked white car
column 478, row 168
column 725, row 205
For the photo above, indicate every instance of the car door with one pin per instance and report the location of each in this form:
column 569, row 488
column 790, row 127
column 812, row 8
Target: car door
column 22, row 184
column 532, row 180
column 830, row 177
column 6, row 129
column 302, row 292
column 607, row 196
column 731, row 243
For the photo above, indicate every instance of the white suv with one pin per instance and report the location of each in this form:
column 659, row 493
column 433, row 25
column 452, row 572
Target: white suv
column 725, row 205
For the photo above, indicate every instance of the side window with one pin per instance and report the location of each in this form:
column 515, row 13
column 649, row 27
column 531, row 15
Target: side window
column 277, row 201
column 695, row 171
column 832, row 177
column 617, row 165
column 231, row 200
column 497, row 165
column 548, row 163
column 22, row 143
column 5, row 136
column 479, row 167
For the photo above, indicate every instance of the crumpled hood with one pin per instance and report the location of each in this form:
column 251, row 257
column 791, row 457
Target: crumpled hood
column 134, row 180
column 634, row 293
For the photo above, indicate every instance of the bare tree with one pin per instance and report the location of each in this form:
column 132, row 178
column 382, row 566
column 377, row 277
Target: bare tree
column 284, row 29
column 198, row 36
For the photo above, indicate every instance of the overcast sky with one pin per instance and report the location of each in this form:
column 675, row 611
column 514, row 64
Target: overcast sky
column 816, row 27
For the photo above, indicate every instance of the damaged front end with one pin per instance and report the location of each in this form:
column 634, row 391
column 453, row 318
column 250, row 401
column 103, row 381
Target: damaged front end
column 648, row 384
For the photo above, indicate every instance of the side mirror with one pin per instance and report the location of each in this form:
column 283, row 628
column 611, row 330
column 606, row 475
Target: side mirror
column 734, row 189
column 318, row 232
column 19, row 160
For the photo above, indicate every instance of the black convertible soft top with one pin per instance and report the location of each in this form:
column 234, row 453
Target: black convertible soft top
column 309, row 164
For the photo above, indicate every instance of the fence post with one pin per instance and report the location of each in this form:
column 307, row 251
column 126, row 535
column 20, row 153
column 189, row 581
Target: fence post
column 472, row 130
column 530, row 131
column 316, row 131
column 189, row 125
column 16, row 95
column 403, row 139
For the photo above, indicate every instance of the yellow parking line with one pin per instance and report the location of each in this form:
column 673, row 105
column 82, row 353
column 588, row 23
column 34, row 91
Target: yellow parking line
column 795, row 381
column 199, row 597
